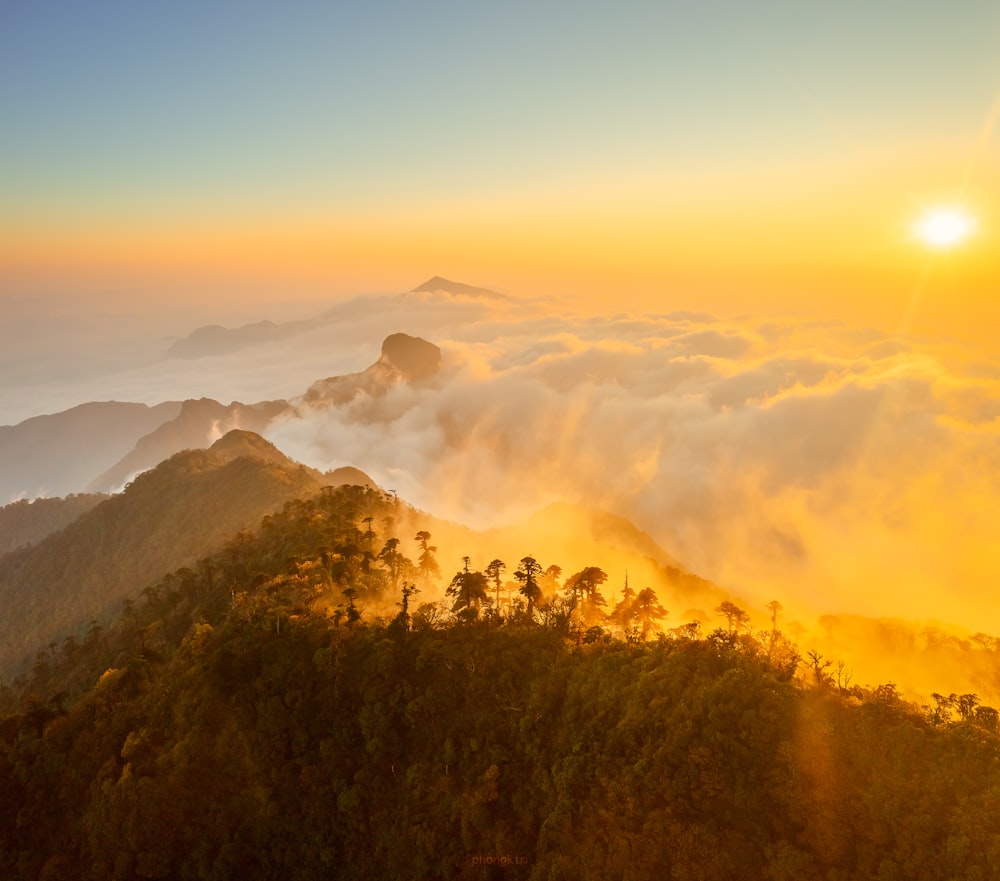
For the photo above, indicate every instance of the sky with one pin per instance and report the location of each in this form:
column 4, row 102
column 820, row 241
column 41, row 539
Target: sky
column 758, row 156
column 723, row 325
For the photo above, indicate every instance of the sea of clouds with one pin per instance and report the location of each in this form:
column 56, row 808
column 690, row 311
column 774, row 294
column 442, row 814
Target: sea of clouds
column 827, row 466
column 836, row 467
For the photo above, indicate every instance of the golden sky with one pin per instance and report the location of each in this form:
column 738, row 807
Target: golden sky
column 723, row 158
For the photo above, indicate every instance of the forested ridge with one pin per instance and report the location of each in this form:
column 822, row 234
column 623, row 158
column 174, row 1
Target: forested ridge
column 26, row 522
column 170, row 516
column 293, row 707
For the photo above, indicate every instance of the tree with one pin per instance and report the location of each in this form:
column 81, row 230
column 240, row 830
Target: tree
column 585, row 594
column 965, row 704
column 427, row 564
column 369, row 534
column 624, row 614
column 819, row 666
column 648, row 610
column 735, row 617
column 353, row 615
column 528, row 574
column 469, row 590
column 549, row 580
column 844, row 675
column 493, row 573
column 403, row 618
column 395, row 563
column 775, row 608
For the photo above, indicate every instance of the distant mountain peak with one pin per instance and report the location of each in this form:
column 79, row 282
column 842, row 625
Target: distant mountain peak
column 443, row 285
column 404, row 358
column 214, row 339
column 412, row 356
column 238, row 443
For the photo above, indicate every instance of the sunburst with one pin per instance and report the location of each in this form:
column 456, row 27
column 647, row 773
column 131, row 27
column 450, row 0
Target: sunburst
column 944, row 227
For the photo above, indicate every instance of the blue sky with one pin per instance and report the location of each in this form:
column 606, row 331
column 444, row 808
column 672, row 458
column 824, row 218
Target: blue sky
column 114, row 106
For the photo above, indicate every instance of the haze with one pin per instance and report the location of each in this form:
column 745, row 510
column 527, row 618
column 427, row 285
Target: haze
column 719, row 323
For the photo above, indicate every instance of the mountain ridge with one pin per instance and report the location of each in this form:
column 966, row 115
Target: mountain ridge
column 168, row 517
column 98, row 447
column 437, row 284
column 43, row 455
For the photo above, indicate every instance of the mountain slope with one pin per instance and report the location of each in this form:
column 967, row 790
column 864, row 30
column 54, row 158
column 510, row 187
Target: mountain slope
column 98, row 447
column 198, row 424
column 456, row 288
column 168, row 517
column 242, row 731
column 59, row 454
column 403, row 359
column 24, row 523
column 213, row 339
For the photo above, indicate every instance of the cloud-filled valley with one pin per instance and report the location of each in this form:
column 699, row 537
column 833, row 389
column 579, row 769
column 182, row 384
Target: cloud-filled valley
column 837, row 469
column 830, row 468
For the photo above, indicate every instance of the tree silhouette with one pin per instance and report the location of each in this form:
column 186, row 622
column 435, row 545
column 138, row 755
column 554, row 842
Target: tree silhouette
column 427, row 564
column 585, row 594
column 395, row 563
column 403, row 618
column 648, row 610
column 493, row 573
column 353, row 615
column 624, row 614
column 735, row 617
column 527, row 575
column 469, row 591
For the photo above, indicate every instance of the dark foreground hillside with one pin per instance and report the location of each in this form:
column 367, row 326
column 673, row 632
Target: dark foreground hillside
column 168, row 517
column 250, row 718
column 477, row 751
column 25, row 523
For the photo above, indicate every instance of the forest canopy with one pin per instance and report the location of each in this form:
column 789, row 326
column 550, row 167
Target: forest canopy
column 290, row 708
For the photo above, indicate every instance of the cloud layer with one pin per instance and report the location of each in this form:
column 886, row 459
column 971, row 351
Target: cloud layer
column 833, row 469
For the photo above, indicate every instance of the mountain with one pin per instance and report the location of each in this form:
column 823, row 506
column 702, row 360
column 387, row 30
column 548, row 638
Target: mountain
column 169, row 517
column 443, row 285
column 99, row 447
column 403, row 359
column 573, row 537
column 283, row 711
column 59, row 454
column 214, row 339
column 28, row 522
column 348, row 475
column 240, row 443
column 196, row 426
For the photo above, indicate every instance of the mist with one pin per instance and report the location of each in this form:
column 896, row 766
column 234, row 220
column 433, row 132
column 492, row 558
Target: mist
column 839, row 469
column 836, row 469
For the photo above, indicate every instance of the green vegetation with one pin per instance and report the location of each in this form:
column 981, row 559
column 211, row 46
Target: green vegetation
column 25, row 523
column 280, row 710
column 168, row 517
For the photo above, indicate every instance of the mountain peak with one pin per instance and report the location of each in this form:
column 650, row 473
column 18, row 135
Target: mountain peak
column 412, row 356
column 443, row 285
column 238, row 443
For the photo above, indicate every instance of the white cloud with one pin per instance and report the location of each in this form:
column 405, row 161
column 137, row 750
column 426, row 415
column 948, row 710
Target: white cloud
column 832, row 474
column 811, row 462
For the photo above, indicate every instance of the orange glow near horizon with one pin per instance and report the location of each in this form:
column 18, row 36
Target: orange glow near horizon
column 826, row 240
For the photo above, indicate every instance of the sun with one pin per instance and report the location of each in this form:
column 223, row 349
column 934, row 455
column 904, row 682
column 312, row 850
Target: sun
column 943, row 228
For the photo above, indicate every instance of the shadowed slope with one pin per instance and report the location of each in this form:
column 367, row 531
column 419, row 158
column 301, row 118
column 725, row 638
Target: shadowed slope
column 168, row 517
